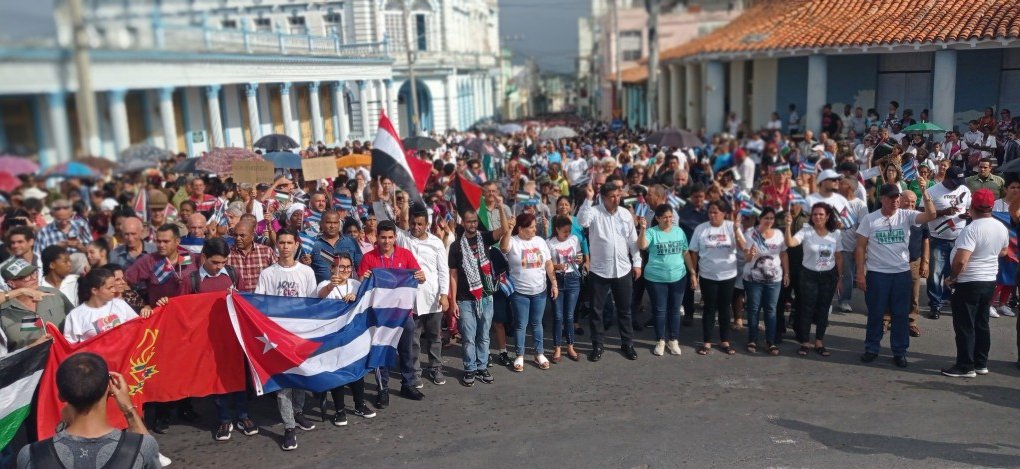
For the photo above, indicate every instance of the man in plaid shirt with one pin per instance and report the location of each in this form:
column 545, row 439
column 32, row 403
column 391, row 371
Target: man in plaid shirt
column 247, row 257
column 66, row 230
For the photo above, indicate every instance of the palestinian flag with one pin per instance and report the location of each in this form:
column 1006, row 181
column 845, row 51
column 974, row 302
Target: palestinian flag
column 19, row 375
column 469, row 197
column 391, row 160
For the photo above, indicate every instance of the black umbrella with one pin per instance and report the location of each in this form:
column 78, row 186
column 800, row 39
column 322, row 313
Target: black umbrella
column 188, row 166
column 276, row 142
column 1011, row 166
column 420, row 143
column 674, row 138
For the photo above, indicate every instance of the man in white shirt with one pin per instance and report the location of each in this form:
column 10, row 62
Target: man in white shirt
column 975, row 265
column 615, row 262
column 855, row 211
column 883, row 270
column 433, row 295
column 575, row 166
column 744, row 169
column 951, row 199
column 828, row 185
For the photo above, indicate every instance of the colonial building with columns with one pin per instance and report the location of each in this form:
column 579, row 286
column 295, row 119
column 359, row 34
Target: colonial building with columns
column 190, row 76
column 954, row 58
column 455, row 53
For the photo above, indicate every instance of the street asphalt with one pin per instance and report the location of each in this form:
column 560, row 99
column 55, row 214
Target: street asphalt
column 661, row 412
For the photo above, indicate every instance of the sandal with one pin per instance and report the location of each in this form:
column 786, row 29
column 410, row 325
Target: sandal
column 803, row 351
column 542, row 362
column 704, row 350
column 752, row 347
column 519, row 364
column 728, row 350
column 557, row 357
column 773, row 350
column 571, row 354
column 823, row 351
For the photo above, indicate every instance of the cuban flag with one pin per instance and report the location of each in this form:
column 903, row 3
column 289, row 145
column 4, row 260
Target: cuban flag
column 319, row 344
column 307, row 242
column 798, row 199
column 676, row 201
column 909, row 169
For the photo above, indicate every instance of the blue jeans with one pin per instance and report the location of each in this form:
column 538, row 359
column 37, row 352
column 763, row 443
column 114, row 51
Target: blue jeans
column 939, row 268
column 761, row 296
column 849, row 274
column 474, row 324
column 528, row 309
column 666, row 300
column 888, row 292
column 563, row 307
column 239, row 400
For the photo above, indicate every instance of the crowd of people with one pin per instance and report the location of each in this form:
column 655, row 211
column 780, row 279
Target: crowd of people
column 769, row 229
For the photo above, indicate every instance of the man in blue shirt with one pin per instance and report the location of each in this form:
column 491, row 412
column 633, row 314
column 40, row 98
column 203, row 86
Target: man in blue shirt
column 329, row 243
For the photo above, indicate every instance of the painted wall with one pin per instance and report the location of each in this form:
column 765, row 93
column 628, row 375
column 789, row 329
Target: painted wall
column 978, row 74
column 792, row 87
column 853, row 80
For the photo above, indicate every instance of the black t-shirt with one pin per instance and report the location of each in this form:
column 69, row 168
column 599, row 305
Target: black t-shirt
column 456, row 261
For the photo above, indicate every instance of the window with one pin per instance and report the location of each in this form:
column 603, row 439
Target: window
column 228, row 24
column 630, row 45
column 395, row 29
column 263, row 25
column 420, row 31
column 333, row 25
column 297, row 25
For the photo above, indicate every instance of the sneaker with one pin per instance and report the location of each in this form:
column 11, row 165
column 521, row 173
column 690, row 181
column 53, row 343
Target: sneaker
column 418, row 383
column 504, row 359
column 1006, row 311
column 845, row 307
column 289, row 440
column 339, row 418
column 302, row 422
column 223, row 432
column 957, row 372
column 363, row 411
column 164, row 461
column 992, row 313
column 868, row 357
column 674, row 347
column 382, row 399
column 436, row 376
column 468, row 379
column 981, row 371
column 484, row 376
column 660, row 348
column 247, row 426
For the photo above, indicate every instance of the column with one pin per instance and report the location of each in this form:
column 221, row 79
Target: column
column 943, row 99
column 452, row 111
column 341, row 127
column 692, row 96
column 212, row 96
column 763, row 91
column 59, row 127
column 496, row 100
column 736, row 89
column 374, row 101
column 285, row 110
column 676, row 92
column 817, row 78
column 391, row 103
column 662, row 103
column 233, row 127
column 265, row 112
column 166, row 118
column 47, row 154
column 363, row 106
column 251, row 92
column 313, row 98
column 714, row 100
column 119, row 121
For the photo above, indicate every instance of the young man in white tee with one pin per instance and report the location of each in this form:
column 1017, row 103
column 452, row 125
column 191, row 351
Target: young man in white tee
column 883, row 270
column 975, row 264
column 951, row 199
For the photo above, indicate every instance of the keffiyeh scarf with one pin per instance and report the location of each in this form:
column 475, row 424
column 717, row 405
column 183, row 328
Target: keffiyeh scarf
column 477, row 269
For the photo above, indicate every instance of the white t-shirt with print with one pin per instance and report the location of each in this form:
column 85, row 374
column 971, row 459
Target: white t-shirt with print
column 819, row 252
column 294, row 281
column 527, row 264
column 717, row 250
column 565, row 252
column 84, row 322
column 766, row 266
column 339, row 291
column 985, row 238
column 948, row 227
column 888, row 240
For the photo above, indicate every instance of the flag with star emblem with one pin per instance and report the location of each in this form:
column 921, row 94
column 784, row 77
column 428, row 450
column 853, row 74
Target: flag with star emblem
column 320, row 344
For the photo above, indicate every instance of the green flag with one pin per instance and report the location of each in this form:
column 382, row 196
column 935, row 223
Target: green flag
column 483, row 214
column 19, row 375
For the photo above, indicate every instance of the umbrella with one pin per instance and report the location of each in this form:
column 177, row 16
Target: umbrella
column 72, row 169
column 1011, row 166
column 276, row 142
column 510, row 129
column 351, row 161
column 188, row 166
column 9, row 182
column 284, row 159
column 420, row 143
column 144, row 152
column 674, row 138
column 97, row 162
column 221, row 160
column 923, row 127
column 136, row 165
column 479, row 146
column 556, row 133
column 18, row 165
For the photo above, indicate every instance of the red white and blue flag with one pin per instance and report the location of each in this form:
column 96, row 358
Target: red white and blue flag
column 319, row 344
column 391, row 160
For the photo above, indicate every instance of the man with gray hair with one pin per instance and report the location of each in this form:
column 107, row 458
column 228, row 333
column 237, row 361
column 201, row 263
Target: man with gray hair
column 133, row 246
column 195, row 238
column 66, row 230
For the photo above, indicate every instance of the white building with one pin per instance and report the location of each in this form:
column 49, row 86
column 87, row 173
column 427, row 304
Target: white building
column 456, row 53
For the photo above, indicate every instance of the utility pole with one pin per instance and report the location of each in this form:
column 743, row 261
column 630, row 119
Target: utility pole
column 653, row 7
column 85, row 100
column 410, row 69
column 617, row 57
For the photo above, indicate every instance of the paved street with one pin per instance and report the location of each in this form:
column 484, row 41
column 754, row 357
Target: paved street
column 658, row 412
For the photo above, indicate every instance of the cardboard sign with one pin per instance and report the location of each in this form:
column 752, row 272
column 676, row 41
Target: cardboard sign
column 253, row 172
column 319, row 168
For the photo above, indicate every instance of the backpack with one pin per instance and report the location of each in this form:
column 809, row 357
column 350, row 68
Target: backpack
column 196, row 277
column 43, row 454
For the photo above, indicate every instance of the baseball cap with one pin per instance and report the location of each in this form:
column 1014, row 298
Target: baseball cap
column 955, row 175
column 16, row 268
column 829, row 174
column 889, row 190
column 982, row 200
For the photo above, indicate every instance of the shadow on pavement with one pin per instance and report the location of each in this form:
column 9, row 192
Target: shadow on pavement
column 995, row 395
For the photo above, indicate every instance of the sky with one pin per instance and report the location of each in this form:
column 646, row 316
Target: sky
column 543, row 29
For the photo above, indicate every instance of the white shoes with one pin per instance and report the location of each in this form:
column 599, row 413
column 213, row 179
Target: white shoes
column 660, row 348
column 992, row 313
column 674, row 347
column 163, row 460
column 1006, row 311
column 845, row 307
